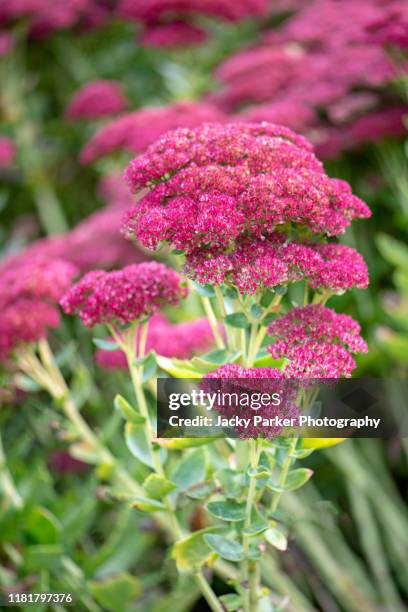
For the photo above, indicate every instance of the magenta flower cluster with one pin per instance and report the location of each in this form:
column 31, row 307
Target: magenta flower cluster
column 328, row 57
column 7, row 152
column 124, row 296
column 135, row 131
column 178, row 340
column 29, row 292
column 215, row 184
column 228, row 196
column 169, row 23
column 97, row 99
column 45, row 16
column 317, row 341
column 235, row 379
column 255, row 264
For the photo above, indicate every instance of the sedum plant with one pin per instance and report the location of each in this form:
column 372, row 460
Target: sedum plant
column 252, row 215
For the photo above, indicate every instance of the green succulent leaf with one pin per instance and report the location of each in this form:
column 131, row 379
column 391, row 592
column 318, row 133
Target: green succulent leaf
column 297, row 478
column 237, row 319
column 157, row 487
column 106, row 345
column 276, row 538
column 127, row 411
column 144, row 504
column 192, row 552
column 225, row 547
column 115, row 592
column 227, row 510
column 190, row 470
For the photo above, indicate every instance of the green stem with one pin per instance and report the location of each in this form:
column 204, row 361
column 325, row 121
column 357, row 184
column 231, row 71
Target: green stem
column 136, row 372
column 284, row 473
column 212, row 320
column 250, row 574
column 208, row 593
column 7, row 482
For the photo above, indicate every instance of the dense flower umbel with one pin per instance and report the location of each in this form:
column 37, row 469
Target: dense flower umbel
column 135, row 131
column 179, row 340
column 123, row 296
column 24, row 321
column 36, row 278
column 234, row 379
column 317, row 341
column 29, row 291
column 215, row 185
column 255, row 264
column 97, row 99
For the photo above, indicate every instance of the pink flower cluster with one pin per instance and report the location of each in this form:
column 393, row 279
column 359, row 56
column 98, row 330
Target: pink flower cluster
column 29, row 292
column 169, row 23
column 133, row 132
column 173, row 35
column 6, row 43
column 97, row 99
column 255, row 264
column 235, row 380
column 179, row 340
column 317, row 341
column 390, row 26
column 123, row 296
column 7, row 152
column 320, row 59
column 47, row 16
column 220, row 192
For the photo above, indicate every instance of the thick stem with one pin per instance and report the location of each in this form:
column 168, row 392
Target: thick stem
column 129, row 345
column 284, row 473
column 250, row 574
column 6, row 481
column 208, row 593
column 212, row 320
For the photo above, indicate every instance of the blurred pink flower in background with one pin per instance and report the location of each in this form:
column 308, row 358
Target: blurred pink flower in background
column 171, row 23
column 6, row 43
column 319, row 72
column 7, row 152
column 97, row 99
column 29, row 292
column 135, row 131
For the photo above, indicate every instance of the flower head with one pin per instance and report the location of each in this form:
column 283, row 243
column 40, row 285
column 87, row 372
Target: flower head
column 123, row 296
column 317, row 341
column 35, row 278
column 214, row 185
column 179, row 340
column 233, row 380
column 97, row 99
column 29, row 291
column 24, row 321
column 266, row 263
